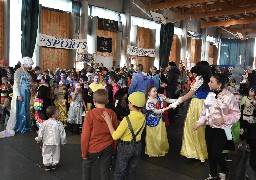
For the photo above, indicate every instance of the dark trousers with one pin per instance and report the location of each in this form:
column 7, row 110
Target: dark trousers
column 216, row 140
column 128, row 155
column 105, row 163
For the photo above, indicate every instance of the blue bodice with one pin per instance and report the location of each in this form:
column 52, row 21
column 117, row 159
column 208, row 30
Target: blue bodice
column 200, row 93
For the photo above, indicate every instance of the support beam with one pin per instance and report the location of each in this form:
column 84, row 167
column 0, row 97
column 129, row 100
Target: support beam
column 227, row 23
column 178, row 3
column 246, row 29
column 214, row 13
column 219, row 5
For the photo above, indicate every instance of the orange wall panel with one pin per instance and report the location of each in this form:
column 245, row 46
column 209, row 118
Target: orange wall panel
column 144, row 41
column 55, row 23
column 175, row 50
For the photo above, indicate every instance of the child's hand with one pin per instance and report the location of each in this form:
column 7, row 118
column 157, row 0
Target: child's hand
column 37, row 140
column 106, row 117
column 241, row 131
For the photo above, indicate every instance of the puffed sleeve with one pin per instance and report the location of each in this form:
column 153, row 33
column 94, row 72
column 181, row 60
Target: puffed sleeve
column 197, row 84
column 234, row 112
column 152, row 107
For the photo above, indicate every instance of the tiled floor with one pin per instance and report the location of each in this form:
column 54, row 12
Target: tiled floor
column 20, row 158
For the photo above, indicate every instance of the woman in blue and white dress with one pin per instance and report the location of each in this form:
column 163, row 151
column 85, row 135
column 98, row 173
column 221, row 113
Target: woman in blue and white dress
column 19, row 120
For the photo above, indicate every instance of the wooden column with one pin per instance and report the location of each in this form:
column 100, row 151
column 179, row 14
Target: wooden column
column 144, row 41
column 1, row 29
column 55, row 23
column 175, row 50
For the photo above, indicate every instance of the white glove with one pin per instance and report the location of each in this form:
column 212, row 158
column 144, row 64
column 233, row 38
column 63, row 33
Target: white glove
column 176, row 103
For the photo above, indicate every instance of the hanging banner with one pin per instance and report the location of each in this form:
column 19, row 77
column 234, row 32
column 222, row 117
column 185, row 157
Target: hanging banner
column 134, row 51
column 55, row 42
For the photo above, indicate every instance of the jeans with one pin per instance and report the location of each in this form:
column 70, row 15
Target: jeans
column 105, row 157
column 128, row 155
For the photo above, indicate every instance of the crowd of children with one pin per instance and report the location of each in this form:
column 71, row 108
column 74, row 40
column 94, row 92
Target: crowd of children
column 97, row 100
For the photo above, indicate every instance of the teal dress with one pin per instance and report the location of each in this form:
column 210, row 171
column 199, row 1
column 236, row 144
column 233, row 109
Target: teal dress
column 22, row 107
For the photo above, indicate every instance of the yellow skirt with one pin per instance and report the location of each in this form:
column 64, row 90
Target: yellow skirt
column 62, row 108
column 193, row 142
column 156, row 140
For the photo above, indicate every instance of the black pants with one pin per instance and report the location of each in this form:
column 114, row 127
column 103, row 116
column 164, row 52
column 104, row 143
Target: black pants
column 105, row 157
column 216, row 140
column 5, row 112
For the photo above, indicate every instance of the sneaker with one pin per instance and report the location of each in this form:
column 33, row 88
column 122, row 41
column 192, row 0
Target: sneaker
column 54, row 166
column 223, row 176
column 228, row 159
column 47, row 168
column 240, row 146
column 211, row 177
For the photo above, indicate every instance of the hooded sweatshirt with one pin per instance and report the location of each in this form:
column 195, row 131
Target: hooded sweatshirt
column 95, row 134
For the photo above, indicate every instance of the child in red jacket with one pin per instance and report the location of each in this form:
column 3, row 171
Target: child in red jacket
column 96, row 140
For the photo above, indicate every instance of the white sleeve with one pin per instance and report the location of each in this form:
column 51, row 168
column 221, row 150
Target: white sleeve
column 198, row 83
column 17, row 79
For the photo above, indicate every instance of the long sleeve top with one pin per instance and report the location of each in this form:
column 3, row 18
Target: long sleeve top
column 123, row 132
column 52, row 132
column 225, row 105
column 95, row 134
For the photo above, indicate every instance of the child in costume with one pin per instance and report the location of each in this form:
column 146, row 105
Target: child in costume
column 129, row 132
column 156, row 135
column 75, row 110
column 248, row 107
column 5, row 90
column 52, row 134
column 60, row 102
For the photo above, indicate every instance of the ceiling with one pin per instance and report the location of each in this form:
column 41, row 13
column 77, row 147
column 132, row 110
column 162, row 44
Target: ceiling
column 231, row 15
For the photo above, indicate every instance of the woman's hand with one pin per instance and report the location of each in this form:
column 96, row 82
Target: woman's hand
column 20, row 98
column 106, row 117
column 196, row 126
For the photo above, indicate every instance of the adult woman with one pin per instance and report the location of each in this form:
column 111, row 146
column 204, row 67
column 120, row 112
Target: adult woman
column 220, row 112
column 19, row 120
column 193, row 143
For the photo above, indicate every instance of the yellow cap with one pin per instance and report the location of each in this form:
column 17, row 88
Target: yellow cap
column 137, row 99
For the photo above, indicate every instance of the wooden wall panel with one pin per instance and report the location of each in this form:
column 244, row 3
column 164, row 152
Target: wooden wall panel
column 144, row 41
column 195, row 52
column 108, row 34
column 55, row 23
column 175, row 50
column 1, row 29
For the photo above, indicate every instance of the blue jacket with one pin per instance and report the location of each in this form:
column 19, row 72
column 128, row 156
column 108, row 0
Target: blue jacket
column 140, row 82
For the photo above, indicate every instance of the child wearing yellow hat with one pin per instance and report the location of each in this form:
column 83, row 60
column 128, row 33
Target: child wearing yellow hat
column 129, row 132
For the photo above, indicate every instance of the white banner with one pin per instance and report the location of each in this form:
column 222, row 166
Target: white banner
column 51, row 41
column 134, row 51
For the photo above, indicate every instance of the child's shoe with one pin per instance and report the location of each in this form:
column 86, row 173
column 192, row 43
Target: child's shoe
column 247, row 148
column 223, row 176
column 47, row 168
column 54, row 166
column 240, row 146
column 210, row 177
